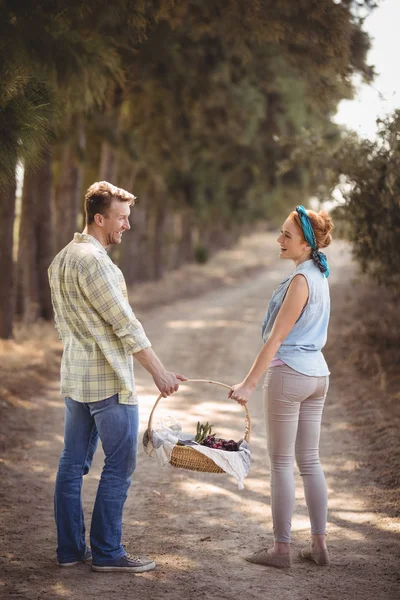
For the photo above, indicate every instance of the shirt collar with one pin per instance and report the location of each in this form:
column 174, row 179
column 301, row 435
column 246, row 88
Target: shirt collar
column 85, row 238
column 303, row 265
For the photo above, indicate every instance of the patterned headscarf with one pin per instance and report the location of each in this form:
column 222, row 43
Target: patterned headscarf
column 318, row 257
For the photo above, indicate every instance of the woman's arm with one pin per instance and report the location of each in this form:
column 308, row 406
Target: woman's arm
column 293, row 304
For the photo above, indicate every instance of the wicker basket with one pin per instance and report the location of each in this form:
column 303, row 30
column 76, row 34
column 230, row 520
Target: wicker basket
column 185, row 457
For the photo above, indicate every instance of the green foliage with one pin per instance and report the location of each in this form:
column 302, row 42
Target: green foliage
column 367, row 174
column 217, row 111
column 372, row 193
column 24, row 116
column 224, row 93
column 213, row 99
column 60, row 56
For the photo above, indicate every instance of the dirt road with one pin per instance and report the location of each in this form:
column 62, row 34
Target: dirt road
column 198, row 526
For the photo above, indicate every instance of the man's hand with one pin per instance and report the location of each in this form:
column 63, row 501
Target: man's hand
column 168, row 382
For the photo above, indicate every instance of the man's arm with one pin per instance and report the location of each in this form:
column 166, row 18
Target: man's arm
column 166, row 381
column 56, row 321
column 105, row 297
column 108, row 301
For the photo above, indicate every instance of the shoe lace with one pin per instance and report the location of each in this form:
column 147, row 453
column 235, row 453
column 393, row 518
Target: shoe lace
column 132, row 557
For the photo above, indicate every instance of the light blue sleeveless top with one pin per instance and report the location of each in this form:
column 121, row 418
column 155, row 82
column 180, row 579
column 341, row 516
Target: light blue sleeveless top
column 301, row 350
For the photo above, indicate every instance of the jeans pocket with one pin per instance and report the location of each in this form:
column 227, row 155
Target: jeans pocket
column 296, row 387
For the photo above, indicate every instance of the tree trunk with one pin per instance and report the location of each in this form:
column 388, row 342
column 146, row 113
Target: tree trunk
column 134, row 256
column 36, row 242
column 44, row 231
column 156, row 221
column 28, row 300
column 7, row 216
column 68, row 192
column 158, row 237
column 108, row 164
column 185, row 251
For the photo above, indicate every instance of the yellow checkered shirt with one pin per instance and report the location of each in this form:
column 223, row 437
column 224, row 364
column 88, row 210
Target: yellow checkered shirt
column 95, row 323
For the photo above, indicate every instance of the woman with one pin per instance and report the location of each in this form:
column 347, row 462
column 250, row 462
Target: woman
column 296, row 384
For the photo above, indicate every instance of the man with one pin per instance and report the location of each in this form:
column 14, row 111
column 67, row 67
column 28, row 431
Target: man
column 100, row 334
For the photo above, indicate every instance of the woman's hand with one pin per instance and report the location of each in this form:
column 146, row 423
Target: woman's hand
column 241, row 392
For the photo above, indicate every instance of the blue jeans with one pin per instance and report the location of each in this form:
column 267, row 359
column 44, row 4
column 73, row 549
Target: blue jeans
column 117, row 426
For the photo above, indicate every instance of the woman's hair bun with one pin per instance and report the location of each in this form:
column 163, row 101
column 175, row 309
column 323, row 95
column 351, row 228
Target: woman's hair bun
column 322, row 225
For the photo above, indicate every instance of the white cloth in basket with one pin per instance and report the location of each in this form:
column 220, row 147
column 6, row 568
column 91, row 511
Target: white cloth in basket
column 164, row 440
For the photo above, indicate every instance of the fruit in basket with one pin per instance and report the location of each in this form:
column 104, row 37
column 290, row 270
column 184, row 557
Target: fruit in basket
column 205, row 437
column 211, row 441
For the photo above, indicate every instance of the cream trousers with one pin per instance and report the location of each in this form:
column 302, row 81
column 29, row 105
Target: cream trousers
column 293, row 408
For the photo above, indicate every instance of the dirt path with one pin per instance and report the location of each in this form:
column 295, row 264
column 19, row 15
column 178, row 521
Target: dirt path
column 197, row 526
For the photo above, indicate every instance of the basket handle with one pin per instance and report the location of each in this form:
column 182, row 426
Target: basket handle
column 247, row 428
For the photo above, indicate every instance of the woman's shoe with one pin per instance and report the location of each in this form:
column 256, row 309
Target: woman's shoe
column 320, row 557
column 267, row 558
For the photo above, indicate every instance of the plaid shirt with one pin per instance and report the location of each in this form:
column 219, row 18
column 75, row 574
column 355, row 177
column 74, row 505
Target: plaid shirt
column 95, row 322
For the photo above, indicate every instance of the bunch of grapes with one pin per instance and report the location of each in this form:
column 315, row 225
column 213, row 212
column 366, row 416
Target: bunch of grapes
column 219, row 444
